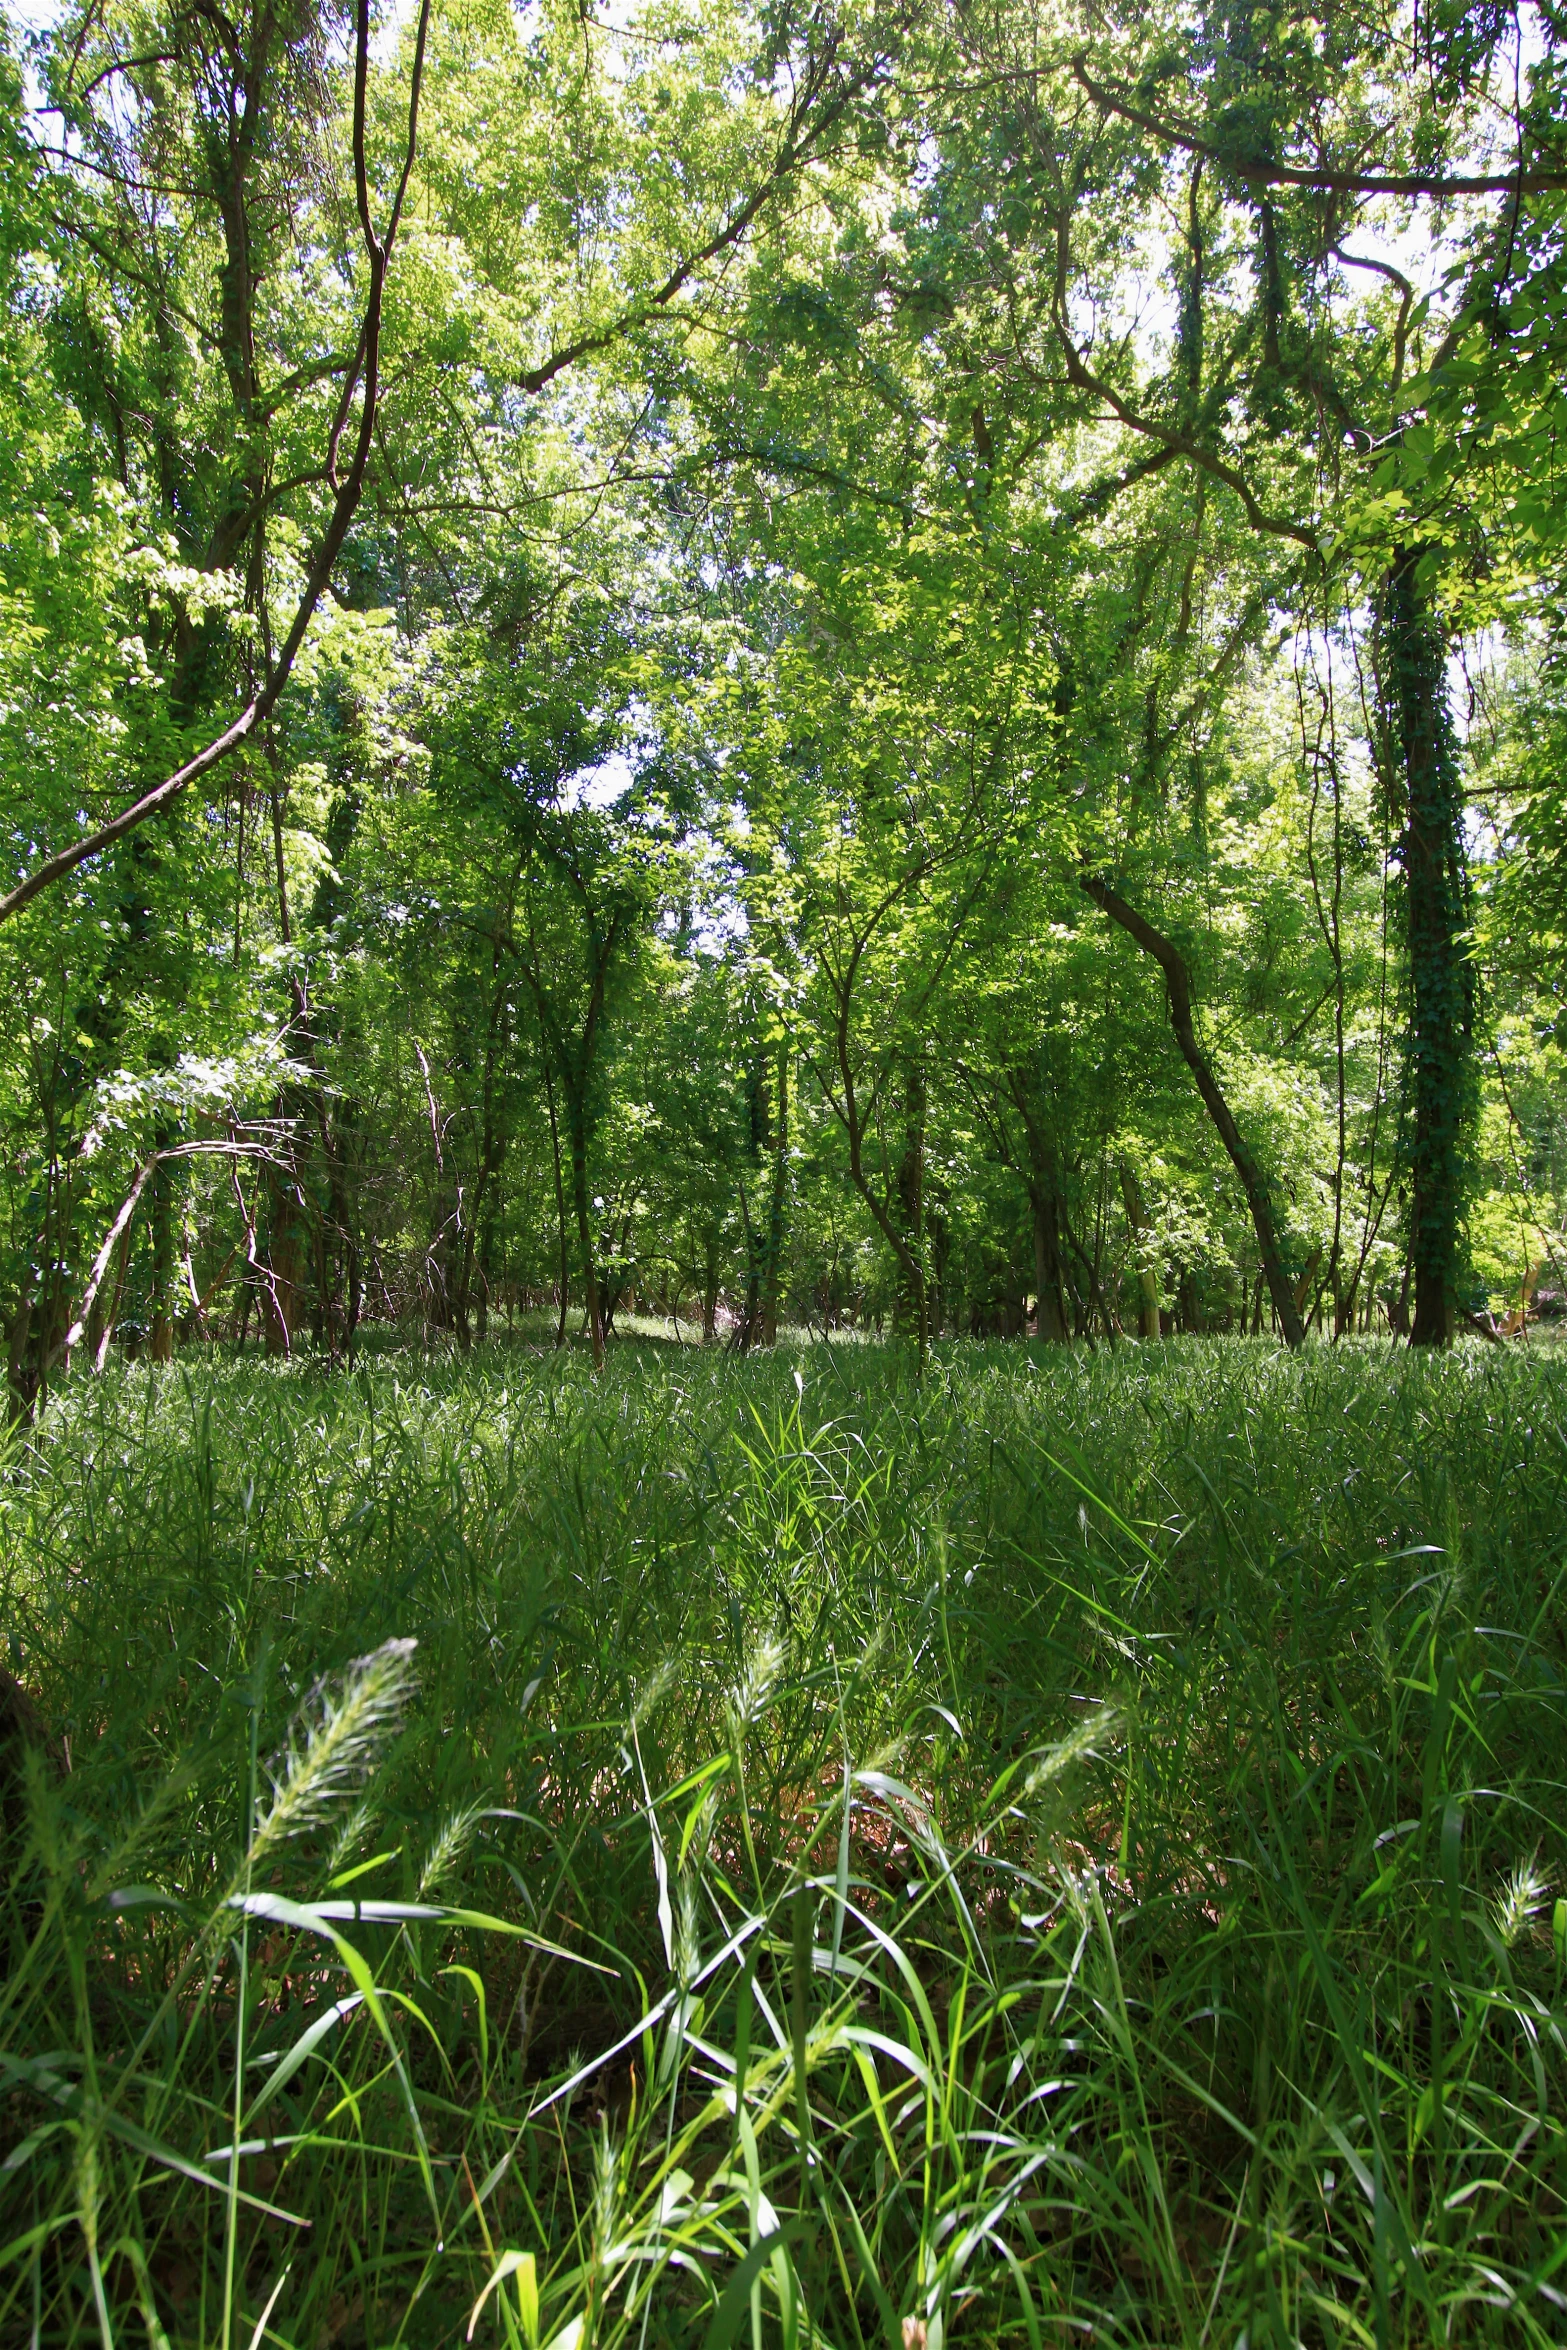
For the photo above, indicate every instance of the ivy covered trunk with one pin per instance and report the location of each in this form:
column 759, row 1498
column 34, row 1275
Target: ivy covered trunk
column 1440, row 1075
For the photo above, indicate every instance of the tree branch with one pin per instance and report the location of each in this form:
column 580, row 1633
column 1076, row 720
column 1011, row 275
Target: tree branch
column 1178, row 985
column 364, row 372
column 1321, row 179
column 1178, row 444
column 801, row 137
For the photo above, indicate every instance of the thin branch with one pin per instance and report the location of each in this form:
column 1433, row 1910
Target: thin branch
column 802, row 136
column 73, row 1336
column 1406, row 289
column 1177, row 443
column 366, row 369
column 1320, row 178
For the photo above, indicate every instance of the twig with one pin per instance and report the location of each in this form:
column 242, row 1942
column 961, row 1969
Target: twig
column 73, row 1336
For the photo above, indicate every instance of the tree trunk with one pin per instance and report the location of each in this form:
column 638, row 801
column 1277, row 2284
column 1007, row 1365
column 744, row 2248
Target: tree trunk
column 576, row 1122
column 710, row 1288
column 484, row 1287
column 478, row 1223
column 284, row 1298
column 1046, row 1202
column 749, row 1331
column 344, row 1127
column 23, row 1390
column 773, row 1240
column 560, row 1199
column 1147, row 1278
column 42, row 1313
column 938, row 1261
column 1049, row 1288
column 1179, row 991
column 881, row 1199
column 1440, row 1069
column 909, row 1189
column 283, row 1285
column 160, row 1217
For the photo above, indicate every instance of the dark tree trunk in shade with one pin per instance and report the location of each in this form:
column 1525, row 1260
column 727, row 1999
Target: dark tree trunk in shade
column 710, row 1287
column 562, row 1225
column 1049, row 1275
column 576, row 1121
column 1439, row 1080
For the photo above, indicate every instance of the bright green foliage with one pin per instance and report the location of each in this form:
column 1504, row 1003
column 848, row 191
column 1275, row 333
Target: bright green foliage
column 838, row 484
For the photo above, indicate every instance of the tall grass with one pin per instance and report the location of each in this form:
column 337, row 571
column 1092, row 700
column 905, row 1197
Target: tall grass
column 751, row 1852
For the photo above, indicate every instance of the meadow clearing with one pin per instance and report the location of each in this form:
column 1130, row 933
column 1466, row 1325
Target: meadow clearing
column 756, row 1850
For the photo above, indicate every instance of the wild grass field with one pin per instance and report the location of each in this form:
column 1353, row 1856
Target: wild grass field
column 751, row 1851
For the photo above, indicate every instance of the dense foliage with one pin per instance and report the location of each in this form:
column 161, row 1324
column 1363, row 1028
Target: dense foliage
column 828, row 666
column 1104, row 1807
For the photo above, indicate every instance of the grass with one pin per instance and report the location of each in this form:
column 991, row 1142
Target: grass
column 1073, row 1853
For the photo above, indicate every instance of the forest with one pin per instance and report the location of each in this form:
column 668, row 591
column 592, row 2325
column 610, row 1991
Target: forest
column 783, row 1173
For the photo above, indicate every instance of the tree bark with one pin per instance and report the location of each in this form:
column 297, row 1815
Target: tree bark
column 576, row 1121
column 1050, row 1311
column 748, row 1330
column 283, row 1272
column 560, row 1192
column 710, row 1286
column 1439, row 1076
column 160, row 1217
column 773, row 1241
column 1178, row 988
column 908, row 1189
column 1147, row 1279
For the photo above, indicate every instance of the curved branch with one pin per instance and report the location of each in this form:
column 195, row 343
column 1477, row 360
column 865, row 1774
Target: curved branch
column 1321, row 180
column 802, row 136
column 1178, row 444
column 1406, row 292
column 120, row 65
column 1178, row 987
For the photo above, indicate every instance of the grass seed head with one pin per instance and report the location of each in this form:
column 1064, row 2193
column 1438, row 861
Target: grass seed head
column 1520, row 1900
column 341, row 1735
column 445, row 1854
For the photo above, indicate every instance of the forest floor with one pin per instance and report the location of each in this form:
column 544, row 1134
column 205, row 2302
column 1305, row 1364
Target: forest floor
column 1106, row 1810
